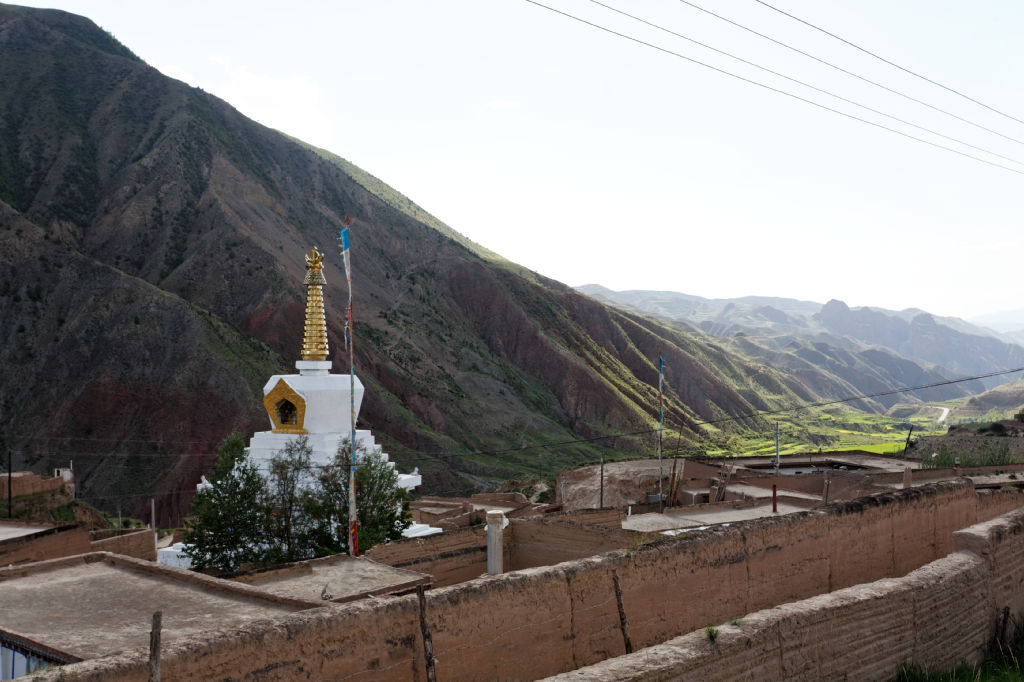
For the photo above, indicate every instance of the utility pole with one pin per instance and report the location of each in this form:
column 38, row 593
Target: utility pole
column 661, row 428
column 10, row 474
column 601, row 503
column 777, row 460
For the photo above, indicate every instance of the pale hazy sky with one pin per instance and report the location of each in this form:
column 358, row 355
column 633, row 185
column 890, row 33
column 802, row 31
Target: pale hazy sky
column 589, row 158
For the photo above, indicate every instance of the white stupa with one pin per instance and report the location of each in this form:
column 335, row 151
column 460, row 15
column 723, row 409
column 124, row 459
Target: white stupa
column 314, row 402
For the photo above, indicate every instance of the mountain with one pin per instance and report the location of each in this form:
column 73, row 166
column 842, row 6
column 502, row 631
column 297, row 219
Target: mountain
column 836, row 350
column 924, row 338
column 1007, row 399
column 151, row 267
column 679, row 306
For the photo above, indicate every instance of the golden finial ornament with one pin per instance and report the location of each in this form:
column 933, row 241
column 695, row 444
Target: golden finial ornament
column 314, row 338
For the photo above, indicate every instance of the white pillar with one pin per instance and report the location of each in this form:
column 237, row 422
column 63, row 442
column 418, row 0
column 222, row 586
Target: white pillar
column 495, row 548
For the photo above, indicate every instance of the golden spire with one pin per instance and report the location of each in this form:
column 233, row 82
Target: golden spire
column 314, row 338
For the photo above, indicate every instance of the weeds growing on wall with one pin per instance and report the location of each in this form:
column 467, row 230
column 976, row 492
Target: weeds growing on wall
column 1003, row 662
column 996, row 454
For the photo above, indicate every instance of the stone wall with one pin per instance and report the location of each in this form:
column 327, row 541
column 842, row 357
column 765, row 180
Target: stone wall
column 536, row 622
column 48, row 543
column 139, row 544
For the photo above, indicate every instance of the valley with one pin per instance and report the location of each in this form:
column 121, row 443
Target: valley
column 151, row 245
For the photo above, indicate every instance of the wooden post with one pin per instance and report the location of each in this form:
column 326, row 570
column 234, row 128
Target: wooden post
column 428, row 645
column 601, row 503
column 154, row 648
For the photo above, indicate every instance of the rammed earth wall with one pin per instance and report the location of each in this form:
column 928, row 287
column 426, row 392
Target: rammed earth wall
column 49, row 542
column 26, row 483
column 542, row 621
column 937, row 616
column 140, row 544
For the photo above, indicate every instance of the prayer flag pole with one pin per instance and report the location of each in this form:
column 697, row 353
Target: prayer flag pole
column 353, row 524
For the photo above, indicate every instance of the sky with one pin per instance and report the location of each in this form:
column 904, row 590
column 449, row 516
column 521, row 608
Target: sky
column 592, row 158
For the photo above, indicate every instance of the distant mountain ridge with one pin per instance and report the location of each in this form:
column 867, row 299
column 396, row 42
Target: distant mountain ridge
column 861, row 346
column 151, row 267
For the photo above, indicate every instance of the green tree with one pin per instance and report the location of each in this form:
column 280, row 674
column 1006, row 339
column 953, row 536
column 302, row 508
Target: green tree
column 231, row 450
column 292, row 501
column 297, row 511
column 227, row 528
column 382, row 506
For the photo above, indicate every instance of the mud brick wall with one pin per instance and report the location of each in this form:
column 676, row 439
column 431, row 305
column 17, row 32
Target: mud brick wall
column 48, row 543
column 936, row 616
column 140, row 544
column 594, row 517
column 26, row 483
column 859, row 633
column 1000, row 543
column 450, row 558
column 536, row 622
column 546, row 542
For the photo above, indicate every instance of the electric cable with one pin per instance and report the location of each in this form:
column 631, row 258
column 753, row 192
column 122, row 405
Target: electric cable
column 891, row 63
column 848, row 72
column 421, row 456
column 773, row 89
column 806, row 84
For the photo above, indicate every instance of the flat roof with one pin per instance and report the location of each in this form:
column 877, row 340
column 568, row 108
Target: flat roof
column 344, row 578
column 9, row 530
column 756, row 492
column 99, row 604
column 695, row 517
column 859, row 462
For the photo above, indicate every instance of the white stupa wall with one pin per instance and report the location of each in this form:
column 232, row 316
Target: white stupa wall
column 267, row 444
column 327, row 396
column 327, row 419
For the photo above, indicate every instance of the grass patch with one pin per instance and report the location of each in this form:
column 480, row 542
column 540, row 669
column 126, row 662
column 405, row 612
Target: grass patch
column 1002, row 663
column 995, row 454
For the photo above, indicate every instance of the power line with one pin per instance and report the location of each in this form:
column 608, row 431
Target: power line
column 806, row 84
column 847, row 72
column 891, row 63
column 680, row 426
column 751, row 415
column 774, row 89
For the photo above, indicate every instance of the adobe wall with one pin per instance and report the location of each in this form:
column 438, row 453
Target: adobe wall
column 48, row 543
column 594, row 517
column 139, row 544
column 537, row 622
column 920, row 475
column 547, row 541
column 937, row 616
column 450, row 558
column 1000, row 543
column 859, row 633
column 27, row 483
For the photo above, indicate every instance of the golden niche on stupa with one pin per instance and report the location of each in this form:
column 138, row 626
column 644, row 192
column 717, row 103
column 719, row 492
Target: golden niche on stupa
column 314, row 337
